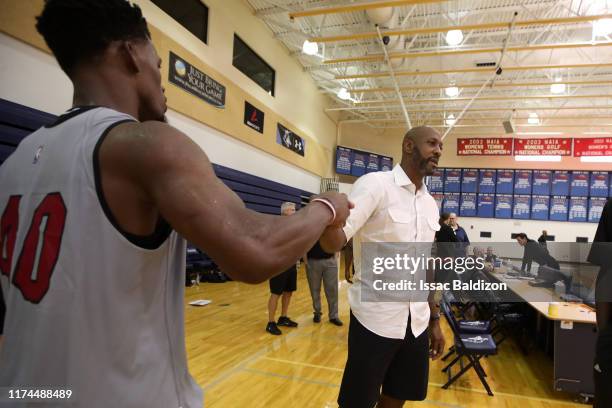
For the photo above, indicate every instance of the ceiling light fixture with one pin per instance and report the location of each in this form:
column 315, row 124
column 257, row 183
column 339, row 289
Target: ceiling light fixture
column 602, row 28
column 451, row 91
column 596, row 159
column 533, row 119
column 344, row 94
column 557, row 88
column 310, row 48
column 454, row 37
column 538, row 158
column 538, row 133
column 450, row 120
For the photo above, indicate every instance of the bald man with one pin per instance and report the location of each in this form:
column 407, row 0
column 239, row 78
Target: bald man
column 389, row 343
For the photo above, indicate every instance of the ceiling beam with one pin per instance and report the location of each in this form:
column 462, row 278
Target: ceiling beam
column 497, row 85
column 465, row 27
column 443, row 53
column 498, row 109
column 466, row 70
column 357, row 7
column 485, row 98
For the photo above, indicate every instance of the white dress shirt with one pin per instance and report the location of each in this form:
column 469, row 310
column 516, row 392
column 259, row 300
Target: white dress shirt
column 388, row 208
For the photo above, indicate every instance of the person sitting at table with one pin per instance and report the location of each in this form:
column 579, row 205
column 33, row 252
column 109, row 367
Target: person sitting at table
column 535, row 252
column 490, row 256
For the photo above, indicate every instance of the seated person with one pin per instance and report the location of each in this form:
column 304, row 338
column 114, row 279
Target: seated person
column 535, row 252
column 490, row 256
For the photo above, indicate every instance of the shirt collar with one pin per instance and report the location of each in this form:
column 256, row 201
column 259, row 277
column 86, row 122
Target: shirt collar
column 402, row 180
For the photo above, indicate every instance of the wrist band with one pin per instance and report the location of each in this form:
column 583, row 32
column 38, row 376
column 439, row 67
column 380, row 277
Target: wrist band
column 328, row 204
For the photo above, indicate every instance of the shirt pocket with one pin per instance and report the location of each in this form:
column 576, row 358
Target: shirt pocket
column 402, row 227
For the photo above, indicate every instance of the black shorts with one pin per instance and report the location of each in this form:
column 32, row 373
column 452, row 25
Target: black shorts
column 285, row 282
column 401, row 367
column 2, row 311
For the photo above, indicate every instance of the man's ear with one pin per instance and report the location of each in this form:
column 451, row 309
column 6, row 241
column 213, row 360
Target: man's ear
column 130, row 56
column 408, row 145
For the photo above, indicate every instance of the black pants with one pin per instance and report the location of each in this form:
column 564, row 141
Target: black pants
column 603, row 369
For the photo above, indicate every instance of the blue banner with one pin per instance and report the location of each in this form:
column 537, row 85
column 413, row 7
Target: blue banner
column 521, row 208
column 578, row 209
column 560, row 183
column 522, row 181
column 559, row 206
column 451, row 203
column 505, row 182
column 579, row 184
column 343, row 160
column 468, row 205
column 373, row 163
column 541, row 182
column 600, row 184
column 486, row 205
column 487, row 179
column 358, row 163
column 469, row 181
column 503, row 206
column 436, row 181
column 439, row 197
column 540, row 207
column 596, row 205
column 452, row 180
column 386, row 163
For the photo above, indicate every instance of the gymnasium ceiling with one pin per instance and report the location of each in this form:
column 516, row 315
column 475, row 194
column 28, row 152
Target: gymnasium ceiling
column 549, row 41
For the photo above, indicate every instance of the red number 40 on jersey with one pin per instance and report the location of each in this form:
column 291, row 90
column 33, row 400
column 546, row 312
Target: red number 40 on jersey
column 48, row 219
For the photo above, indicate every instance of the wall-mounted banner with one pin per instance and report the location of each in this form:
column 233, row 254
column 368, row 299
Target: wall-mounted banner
column 343, row 160
column 487, row 180
column 469, row 181
column 503, row 206
column 540, row 206
column 593, row 146
column 500, row 146
column 559, row 206
column 189, row 78
column 521, row 207
column 522, row 181
column 253, row 117
column 467, row 207
column 439, row 197
column 373, row 163
column 358, row 163
column 596, row 206
column 452, row 180
column 505, row 182
column 386, row 163
column 451, row 202
column 579, row 184
column 560, row 183
column 541, row 182
column 549, row 146
column 486, row 205
column 599, row 184
column 290, row 140
column 578, row 209
column 436, row 181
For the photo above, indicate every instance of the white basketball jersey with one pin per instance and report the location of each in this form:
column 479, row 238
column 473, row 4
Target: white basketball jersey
column 89, row 307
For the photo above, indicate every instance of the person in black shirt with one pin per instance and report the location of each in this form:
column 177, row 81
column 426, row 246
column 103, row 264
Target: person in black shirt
column 601, row 254
column 543, row 238
column 535, row 252
column 446, row 242
column 321, row 266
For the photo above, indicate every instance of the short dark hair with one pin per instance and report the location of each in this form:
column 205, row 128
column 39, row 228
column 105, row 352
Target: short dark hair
column 521, row 235
column 79, row 29
column 443, row 217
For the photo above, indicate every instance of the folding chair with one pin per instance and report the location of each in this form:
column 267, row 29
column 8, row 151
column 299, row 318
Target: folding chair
column 471, row 346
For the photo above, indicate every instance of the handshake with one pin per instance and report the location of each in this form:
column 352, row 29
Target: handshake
column 337, row 203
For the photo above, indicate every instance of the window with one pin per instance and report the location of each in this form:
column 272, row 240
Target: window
column 191, row 14
column 253, row 66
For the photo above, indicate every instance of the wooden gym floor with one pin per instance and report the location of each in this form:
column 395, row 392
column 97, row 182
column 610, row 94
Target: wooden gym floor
column 238, row 364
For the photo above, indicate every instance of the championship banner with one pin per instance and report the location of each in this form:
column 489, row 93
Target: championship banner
column 386, row 163
column 505, row 182
column 487, row 180
column 469, row 181
column 501, row 146
column 578, row 209
column 593, row 146
column 541, row 182
column 548, row 146
column 599, row 185
column 439, row 197
column 521, row 207
column 540, row 207
column 467, row 208
column 343, row 160
column 503, row 206
column 579, row 183
column 450, row 204
column 486, row 205
column 452, row 180
column 436, row 181
column 373, row 163
column 559, row 206
column 596, row 206
column 560, row 183
column 358, row 163
column 523, row 181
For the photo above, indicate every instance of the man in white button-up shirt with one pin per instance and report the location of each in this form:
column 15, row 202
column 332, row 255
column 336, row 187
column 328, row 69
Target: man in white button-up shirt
column 388, row 342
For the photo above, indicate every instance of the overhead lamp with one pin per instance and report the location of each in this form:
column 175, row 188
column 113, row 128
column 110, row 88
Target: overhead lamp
column 596, row 159
column 451, row 91
column 310, row 48
column 344, row 94
column 454, row 37
column 450, row 120
column 602, row 28
column 538, row 133
column 533, row 119
column 538, row 158
column 597, row 133
column 557, row 88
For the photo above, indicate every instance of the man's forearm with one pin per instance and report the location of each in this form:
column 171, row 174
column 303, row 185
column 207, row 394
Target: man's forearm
column 332, row 240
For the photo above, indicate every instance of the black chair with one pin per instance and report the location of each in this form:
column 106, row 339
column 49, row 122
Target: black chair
column 471, row 346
